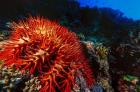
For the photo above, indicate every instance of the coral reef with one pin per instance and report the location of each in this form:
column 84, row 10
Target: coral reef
column 32, row 85
column 98, row 55
column 11, row 79
column 48, row 51
column 48, row 57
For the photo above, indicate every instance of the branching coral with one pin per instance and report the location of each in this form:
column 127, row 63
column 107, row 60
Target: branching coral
column 102, row 51
column 49, row 51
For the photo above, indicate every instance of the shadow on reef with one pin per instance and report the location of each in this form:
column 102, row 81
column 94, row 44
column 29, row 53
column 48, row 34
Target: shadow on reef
column 116, row 69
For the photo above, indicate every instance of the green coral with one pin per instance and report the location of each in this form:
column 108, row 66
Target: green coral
column 134, row 80
column 130, row 78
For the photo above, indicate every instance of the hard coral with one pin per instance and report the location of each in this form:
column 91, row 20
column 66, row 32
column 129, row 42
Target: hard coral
column 49, row 51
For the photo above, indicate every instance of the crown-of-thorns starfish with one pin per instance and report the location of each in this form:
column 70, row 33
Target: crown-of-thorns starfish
column 47, row 50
